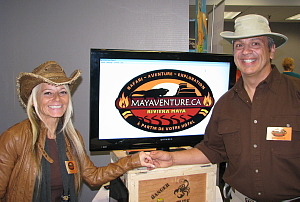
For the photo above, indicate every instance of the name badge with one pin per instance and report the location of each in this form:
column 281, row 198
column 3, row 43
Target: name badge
column 71, row 167
column 279, row 133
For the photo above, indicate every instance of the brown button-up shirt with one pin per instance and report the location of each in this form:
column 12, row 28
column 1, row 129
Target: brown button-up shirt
column 264, row 170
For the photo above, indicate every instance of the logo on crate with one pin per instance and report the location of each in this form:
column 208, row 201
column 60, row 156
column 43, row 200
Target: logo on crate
column 183, row 189
column 165, row 101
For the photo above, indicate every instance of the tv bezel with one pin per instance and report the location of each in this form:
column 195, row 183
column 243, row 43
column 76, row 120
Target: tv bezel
column 163, row 143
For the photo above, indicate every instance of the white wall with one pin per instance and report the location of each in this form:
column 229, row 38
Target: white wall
column 34, row 31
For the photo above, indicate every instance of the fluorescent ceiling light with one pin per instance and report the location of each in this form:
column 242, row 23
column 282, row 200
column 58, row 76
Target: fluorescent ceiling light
column 295, row 17
column 230, row 15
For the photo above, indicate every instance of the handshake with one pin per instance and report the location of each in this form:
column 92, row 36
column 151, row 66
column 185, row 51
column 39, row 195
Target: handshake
column 155, row 159
column 163, row 159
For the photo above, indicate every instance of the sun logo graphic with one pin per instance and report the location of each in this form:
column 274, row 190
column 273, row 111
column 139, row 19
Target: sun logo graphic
column 165, row 101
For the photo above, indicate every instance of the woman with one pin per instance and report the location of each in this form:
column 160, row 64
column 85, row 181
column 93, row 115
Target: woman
column 43, row 157
column 288, row 65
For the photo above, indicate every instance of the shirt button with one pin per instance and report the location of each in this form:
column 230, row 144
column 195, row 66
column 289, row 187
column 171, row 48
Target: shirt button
column 258, row 193
column 256, row 170
column 255, row 146
column 255, row 121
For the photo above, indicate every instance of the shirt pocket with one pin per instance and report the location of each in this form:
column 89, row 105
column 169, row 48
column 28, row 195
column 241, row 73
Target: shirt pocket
column 285, row 155
column 229, row 129
column 287, row 149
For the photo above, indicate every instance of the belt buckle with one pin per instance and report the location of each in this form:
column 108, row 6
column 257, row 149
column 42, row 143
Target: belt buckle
column 249, row 200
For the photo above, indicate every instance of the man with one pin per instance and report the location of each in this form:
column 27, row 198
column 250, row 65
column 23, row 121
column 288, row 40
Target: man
column 255, row 125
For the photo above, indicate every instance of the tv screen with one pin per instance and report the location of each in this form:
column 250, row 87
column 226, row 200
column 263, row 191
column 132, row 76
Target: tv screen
column 153, row 99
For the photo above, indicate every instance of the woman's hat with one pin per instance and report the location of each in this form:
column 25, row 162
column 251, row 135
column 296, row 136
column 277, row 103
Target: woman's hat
column 49, row 72
column 253, row 25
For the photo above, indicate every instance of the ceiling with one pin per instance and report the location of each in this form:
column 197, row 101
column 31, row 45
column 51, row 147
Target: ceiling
column 273, row 13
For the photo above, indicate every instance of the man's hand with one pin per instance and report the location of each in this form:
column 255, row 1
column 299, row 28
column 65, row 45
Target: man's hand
column 161, row 159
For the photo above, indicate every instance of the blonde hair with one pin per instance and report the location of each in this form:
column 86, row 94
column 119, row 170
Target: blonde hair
column 288, row 64
column 68, row 130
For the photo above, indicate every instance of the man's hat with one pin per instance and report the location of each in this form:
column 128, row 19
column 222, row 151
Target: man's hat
column 49, row 72
column 253, row 25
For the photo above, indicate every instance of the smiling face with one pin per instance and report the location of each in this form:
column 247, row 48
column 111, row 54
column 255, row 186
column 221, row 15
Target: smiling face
column 252, row 56
column 52, row 101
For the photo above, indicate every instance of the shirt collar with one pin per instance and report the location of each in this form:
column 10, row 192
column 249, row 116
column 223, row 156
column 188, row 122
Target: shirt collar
column 272, row 80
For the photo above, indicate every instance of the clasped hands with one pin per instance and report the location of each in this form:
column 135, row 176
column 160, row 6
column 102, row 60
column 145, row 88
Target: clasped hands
column 155, row 159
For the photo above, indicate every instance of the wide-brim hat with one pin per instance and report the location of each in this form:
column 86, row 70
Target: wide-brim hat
column 49, row 72
column 253, row 25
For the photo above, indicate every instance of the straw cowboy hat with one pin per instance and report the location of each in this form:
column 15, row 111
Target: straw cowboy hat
column 49, row 72
column 253, row 25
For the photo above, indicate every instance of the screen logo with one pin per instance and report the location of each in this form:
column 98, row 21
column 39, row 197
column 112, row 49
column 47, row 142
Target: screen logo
column 165, row 101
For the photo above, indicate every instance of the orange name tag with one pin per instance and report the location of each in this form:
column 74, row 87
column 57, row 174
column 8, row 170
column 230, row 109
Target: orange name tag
column 279, row 133
column 71, row 167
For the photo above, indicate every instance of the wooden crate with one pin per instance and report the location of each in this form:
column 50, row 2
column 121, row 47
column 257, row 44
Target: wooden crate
column 183, row 183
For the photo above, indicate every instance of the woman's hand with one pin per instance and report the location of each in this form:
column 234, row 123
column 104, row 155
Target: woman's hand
column 146, row 160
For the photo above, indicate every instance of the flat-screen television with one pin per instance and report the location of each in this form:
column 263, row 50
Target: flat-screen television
column 154, row 99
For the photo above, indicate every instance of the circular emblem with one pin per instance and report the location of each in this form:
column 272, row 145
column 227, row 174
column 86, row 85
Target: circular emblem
column 165, row 101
